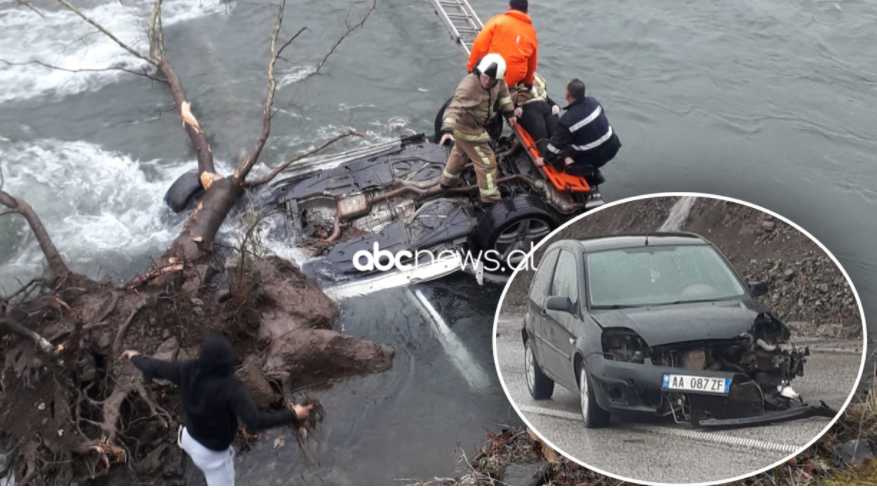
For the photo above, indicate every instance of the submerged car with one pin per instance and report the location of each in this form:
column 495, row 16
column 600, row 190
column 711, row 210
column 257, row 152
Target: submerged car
column 661, row 324
column 385, row 200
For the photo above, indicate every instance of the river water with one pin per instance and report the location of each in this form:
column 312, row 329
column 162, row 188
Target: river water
column 770, row 101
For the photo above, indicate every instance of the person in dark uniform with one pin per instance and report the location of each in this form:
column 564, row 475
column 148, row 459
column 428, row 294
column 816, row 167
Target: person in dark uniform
column 583, row 141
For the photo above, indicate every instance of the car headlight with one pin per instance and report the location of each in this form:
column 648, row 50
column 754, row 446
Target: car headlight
column 622, row 344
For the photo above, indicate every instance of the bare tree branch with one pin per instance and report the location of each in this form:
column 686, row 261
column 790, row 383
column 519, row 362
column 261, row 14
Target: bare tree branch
column 293, row 38
column 28, row 5
column 243, row 170
column 156, row 48
column 42, row 343
column 107, row 32
column 184, row 108
column 350, row 29
column 53, row 257
column 286, row 164
column 56, row 262
column 77, row 70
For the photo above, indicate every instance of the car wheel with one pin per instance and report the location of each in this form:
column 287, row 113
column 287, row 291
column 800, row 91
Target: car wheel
column 592, row 414
column 511, row 228
column 541, row 387
column 439, row 119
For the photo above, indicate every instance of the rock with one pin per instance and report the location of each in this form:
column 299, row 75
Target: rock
column 105, row 340
column 305, row 355
column 769, row 225
column 255, row 383
column 152, row 462
column 41, row 406
column 198, row 311
column 823, row 288
column 165, row 334
column 789, row 274
column 851, row 452
column 297, row 297
column 523, row 474
column 185, row 355
column 152, row 321
column 172, row 465
column 831, row 330
column 196, row 301
column 222, row 295
column 87, row 369
column 168, row 350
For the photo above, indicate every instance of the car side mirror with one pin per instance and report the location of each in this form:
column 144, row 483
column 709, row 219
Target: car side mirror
column 758, row 288
column 559, row 303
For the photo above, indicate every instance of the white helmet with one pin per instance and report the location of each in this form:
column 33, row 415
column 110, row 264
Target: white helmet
column 492, row 65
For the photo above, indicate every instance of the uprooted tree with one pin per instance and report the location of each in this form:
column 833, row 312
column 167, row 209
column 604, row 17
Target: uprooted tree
column 70, row 409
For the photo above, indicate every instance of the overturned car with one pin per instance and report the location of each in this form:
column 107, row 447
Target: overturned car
column 384, row 200
column 659, row 324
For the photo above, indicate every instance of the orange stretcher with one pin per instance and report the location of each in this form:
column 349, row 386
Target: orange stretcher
column 561, row 181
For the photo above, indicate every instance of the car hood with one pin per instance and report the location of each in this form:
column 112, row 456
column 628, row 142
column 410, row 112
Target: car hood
column 659, row 325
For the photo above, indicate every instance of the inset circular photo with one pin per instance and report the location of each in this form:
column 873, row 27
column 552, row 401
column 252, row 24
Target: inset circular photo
column 680, row 339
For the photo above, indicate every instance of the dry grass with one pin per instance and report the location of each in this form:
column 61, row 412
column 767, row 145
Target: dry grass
column 811, row 467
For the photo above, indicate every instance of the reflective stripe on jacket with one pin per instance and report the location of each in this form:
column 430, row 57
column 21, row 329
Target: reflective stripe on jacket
column 522, row 95
column 472, row 105
column 582, row 129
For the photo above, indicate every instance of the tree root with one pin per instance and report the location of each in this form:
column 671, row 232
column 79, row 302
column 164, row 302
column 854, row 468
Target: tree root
column 41, row 342
column 154, row 273
column 99, row 319
column 123, row 328
column 112, row 413
column 108, row 455
column 156, row 411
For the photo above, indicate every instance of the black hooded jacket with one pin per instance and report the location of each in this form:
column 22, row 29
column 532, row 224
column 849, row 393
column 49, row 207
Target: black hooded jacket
column 213, row 398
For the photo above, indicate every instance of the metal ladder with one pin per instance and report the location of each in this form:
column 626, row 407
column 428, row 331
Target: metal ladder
column 460, row 20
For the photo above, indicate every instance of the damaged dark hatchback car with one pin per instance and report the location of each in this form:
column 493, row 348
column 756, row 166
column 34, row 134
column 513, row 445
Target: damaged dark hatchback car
column 661, row 324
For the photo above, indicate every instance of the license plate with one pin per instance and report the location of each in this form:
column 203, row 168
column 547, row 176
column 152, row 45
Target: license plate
column 702, row 384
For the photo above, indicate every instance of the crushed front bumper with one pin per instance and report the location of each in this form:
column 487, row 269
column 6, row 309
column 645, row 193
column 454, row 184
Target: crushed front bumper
column 773, row 417
column 638, row 387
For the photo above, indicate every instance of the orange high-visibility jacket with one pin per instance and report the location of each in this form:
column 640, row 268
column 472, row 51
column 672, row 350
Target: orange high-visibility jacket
column 512, row 36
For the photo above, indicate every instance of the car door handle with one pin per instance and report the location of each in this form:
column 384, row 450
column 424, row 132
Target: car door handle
column 544, row 312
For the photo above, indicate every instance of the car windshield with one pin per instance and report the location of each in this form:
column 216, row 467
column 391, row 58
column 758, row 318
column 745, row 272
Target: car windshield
column 649, row 276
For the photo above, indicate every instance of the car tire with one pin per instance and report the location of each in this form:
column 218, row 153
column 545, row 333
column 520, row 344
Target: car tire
column 439, row 119
column 541, row 386
column 183, row 191
column 517, row 219
column 593, row 416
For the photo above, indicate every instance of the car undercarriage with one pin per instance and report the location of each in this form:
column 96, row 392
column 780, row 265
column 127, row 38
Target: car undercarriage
column 388, row 198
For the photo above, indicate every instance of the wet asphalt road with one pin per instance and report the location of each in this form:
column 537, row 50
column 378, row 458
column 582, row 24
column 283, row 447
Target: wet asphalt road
column 658, row 451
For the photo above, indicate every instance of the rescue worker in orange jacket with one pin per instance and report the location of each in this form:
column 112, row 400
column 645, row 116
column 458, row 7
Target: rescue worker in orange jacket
column 512, row 36
column 464, row 121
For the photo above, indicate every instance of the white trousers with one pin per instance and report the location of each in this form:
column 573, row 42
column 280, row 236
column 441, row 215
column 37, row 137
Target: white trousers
column 218, row 466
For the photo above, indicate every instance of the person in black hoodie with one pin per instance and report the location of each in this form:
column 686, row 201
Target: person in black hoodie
column 213, row 400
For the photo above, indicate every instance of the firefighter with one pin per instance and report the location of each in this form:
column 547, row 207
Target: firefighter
column 584, row 140
column 512, row 36
column 464, row 121
column 536, row 112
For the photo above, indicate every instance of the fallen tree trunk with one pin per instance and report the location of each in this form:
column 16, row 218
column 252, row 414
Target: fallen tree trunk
column 19, row 206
